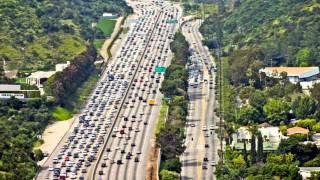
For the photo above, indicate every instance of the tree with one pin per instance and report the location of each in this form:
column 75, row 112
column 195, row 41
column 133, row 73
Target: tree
column 258, row 99
column 170, row 140
column 172, row 165
column 276, row 110
column 260, row 147
column 248, row 114
column 244, row 151
column 168, row 175
column 304, row 107
column 254, row 131
column 307, row 123
column 315, row 92
column 38, row 155
column 302, row 152
column 305, row 57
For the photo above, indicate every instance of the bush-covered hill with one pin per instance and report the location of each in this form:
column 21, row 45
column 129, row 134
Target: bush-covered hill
column 287, row 30
column 36, row 34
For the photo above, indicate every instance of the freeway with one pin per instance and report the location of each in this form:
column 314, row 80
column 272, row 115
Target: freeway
column 117, row 109
column 125, row 155
column 200, row 156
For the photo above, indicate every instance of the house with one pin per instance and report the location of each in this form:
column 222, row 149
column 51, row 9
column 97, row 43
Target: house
column 271, row 137
column 305, row 172
column 60, row 67
column 39, row 77
column 11, row 74
column 294, row 74
column 109, row 16
column 8, row 90
column 297, row 130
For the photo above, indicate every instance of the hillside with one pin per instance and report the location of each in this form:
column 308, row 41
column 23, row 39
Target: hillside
column 286, row 30
column 38, row 34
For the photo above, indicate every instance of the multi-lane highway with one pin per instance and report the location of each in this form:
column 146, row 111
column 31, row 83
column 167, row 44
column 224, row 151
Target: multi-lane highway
column 111, row 137
column 125, row 155
column 200, row 156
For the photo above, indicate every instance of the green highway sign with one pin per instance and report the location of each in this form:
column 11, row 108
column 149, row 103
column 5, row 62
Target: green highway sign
column 172, row 21
column 160, row 69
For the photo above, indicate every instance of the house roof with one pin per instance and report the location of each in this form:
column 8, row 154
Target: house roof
column 301, row 72
column 264, row 125
column 42, row 74
column 297, row 130
column 11, row 74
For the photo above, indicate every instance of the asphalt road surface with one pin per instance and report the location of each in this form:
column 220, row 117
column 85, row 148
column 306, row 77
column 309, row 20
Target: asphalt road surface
column 200, row 156
column 125, row 154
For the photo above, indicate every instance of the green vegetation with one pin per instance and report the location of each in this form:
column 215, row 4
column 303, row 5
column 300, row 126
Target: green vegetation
column 251, row 36
column 61, row 113
column 162, row 117
column 36, row 35
column 98, row 43
column 20, row 123
column 106, row 26
column 171, row 135
column 83, row 91
column 286, row 30
column 64, row 84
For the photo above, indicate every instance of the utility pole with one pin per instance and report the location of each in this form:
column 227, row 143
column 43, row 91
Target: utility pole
column 220, row 102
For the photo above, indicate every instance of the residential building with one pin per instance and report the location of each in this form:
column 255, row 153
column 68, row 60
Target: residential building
column 305, row 172
column 9, row 90
column 294, row 74
column 39, row 77
column 297, row 130
column 109, row 16
column 61, row 66
column 13, row 90
column 271, row 137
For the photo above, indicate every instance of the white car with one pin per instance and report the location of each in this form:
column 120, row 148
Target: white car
column 204, row 128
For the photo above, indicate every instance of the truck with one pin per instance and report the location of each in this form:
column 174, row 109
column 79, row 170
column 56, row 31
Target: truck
column 151, row 102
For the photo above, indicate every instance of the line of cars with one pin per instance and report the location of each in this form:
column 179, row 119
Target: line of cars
column 81, row 148
column 201, row 71
column 129, row 131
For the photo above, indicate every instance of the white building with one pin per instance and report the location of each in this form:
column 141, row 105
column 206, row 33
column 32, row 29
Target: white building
column 8, row 90
column 109, row 16
column 61, row 67
column 37, row 78
column 294, row 74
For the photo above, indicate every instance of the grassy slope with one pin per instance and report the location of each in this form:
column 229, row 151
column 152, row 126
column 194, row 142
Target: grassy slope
column 61, row 113
column 280, row 27
column 36, row 35
column 106, row 25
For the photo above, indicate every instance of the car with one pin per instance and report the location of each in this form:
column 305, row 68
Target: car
column 213, row 127
column 136, row 159
column 204, row 166
column 204, row 128
column 83, row 170
column 50, row 168
column 119, row 162
column 206, row 145
column 205, row 159
column 213, row 163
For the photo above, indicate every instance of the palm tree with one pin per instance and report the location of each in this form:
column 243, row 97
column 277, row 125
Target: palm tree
column 253, row 129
